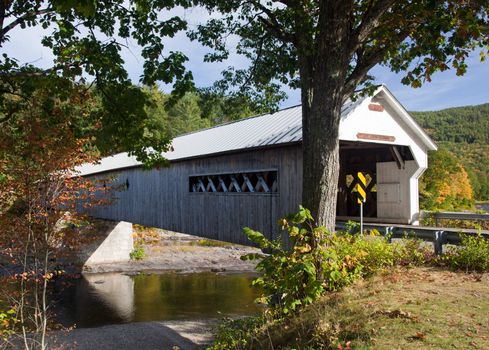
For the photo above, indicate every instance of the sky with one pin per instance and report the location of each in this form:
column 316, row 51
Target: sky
column 446, row 89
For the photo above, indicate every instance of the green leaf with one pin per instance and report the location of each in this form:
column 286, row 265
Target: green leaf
column 256, row 237
column 251, row 256
column 85, row 7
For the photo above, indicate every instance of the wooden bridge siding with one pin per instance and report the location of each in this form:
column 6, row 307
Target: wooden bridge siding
column 161, row 197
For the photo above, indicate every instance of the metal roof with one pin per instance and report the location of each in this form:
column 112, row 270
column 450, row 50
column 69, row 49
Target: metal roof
column 281, row 127
column 284, row 126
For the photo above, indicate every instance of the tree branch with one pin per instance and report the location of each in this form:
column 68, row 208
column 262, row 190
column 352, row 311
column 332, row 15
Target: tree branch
column 276, row 31
column 21, row 19
column 27, row 74
column 255, row 63
column 370, row 21
column 366, row 61
column 273, row 24
column 361, row 69
column 3, row 9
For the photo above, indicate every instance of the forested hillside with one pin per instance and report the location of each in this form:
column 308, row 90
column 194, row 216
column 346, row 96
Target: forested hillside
column 468, row 124
column 464, row 131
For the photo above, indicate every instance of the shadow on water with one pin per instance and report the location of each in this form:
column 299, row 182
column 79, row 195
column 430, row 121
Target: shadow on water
column 112, row 298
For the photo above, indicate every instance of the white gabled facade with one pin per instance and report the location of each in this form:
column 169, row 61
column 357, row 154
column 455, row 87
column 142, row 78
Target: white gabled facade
column 397, row 189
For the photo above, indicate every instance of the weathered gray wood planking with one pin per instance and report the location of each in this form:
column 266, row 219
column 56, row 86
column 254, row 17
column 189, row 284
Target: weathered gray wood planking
column 161, row 197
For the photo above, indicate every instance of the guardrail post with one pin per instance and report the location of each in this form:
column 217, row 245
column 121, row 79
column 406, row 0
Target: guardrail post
column 439, row 241
column 435, row 216
column 388, row 233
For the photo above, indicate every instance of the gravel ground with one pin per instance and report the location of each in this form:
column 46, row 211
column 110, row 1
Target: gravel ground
column 171, row 251
column 168, row 335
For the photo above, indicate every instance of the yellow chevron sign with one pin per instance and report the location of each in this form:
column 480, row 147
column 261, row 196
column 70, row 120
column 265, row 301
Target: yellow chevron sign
column 361, row 188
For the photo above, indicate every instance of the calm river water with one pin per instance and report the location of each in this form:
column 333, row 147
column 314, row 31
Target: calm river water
column 111, row 298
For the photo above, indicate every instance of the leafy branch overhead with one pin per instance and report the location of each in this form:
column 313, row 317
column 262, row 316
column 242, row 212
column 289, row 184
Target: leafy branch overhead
column 88, row 36
column 87, row 39
column 418, row 37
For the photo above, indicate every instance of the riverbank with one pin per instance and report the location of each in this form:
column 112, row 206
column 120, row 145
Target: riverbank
column 168, row 335
column 404, row 308
column 166, row 251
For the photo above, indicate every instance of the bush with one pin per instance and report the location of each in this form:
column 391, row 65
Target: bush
column 137, row 253
column 471, row 255
column 238, row 334
column 290, row 278
column 412, row 252
column 7, row 322
column 375, row 251
column 318, row 261
column 352, row 227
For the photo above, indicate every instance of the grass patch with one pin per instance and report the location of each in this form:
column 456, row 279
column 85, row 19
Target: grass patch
column 212, row 243
column 137, row 253
column 416, row 308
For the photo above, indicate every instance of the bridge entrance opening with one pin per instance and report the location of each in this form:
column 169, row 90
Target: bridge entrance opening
column 365, row 157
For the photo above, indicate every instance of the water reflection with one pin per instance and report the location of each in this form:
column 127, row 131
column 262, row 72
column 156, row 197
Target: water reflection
column 100, row 299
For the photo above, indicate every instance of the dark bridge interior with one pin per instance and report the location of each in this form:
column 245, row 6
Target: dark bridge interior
column 362, row 157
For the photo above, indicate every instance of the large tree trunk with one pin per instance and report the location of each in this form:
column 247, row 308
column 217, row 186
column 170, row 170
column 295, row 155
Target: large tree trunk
column 321, row 159
column 323, row 70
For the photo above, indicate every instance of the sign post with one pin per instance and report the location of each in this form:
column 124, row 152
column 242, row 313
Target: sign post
column 362, row 196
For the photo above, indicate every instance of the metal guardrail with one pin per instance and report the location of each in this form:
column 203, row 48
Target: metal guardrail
column 439, row 236
column 454, row 216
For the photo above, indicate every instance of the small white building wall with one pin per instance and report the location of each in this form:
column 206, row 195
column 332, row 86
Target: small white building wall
column 397, row 192
column 397, row 189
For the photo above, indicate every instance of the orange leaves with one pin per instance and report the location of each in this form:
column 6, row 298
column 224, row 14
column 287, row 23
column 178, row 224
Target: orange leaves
column 346, row 347
column 39, row 148
column 455, row 186
column 418, row 335
column 445, row 185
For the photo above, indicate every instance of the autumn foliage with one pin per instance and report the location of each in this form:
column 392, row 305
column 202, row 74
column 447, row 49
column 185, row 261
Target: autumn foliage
column 39, row 148
column 445, row 184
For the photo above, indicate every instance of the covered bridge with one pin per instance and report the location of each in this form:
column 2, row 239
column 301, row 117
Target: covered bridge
column 249, row 172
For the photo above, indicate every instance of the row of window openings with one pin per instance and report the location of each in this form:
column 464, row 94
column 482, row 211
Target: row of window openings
column 258, row 182
column 265, row 181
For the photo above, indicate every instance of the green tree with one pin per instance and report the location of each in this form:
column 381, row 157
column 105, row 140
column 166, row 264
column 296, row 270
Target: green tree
column 185, row 116
column 179, row 117
column 221, row 108
column 194, row 111
column 86, row 38
column 327, row 48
